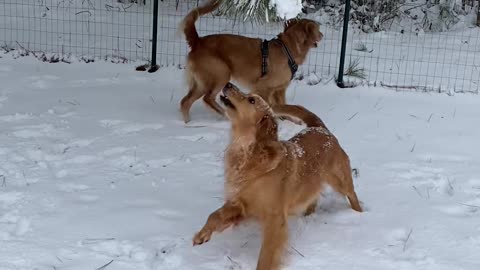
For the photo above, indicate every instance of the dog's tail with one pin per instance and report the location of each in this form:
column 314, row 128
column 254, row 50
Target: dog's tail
column 188, row 23
column 299, row 112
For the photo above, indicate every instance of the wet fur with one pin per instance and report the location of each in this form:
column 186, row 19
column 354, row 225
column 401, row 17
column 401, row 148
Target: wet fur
column 268, row 179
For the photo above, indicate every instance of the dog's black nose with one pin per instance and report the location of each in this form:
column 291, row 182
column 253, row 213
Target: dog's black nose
column 228, row 85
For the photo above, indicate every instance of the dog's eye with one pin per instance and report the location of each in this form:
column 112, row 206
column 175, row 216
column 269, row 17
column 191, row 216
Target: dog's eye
column 251, row 100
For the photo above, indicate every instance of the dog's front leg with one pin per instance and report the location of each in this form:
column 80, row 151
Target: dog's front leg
column 275, row 237
column 230, row 213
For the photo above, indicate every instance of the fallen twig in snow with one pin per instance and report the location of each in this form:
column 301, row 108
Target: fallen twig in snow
column 195, row 126
column 90, row 241
column 430, row 118
column 413, row 148
column 355, row 172
column 4, row 180
column 72, row 103
column 234, row 263
column 171, row 95
column 470, row 205
column 406, row 240
column 450, row 183
column 104, row 266
column 292, row 247
column 65, row 149
column 351, row 117
column 84, row 11
column 418, row 192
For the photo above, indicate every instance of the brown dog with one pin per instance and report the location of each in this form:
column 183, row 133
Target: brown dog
column 268, row 179
column 215, row 60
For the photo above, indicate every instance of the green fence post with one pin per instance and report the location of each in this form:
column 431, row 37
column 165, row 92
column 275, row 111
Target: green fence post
column 346, row 17
column 154, row 67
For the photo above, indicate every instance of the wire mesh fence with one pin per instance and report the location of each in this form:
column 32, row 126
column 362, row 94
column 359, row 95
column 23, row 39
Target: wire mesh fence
column 121, row 31
column 409, row 59
column 86, row 29
column 172, row 50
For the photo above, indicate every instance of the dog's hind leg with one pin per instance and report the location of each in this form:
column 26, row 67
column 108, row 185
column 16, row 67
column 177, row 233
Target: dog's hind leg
column 214, row 76
column 209, row 100
column 345, row 187
column 193, row 94
column 354, row 203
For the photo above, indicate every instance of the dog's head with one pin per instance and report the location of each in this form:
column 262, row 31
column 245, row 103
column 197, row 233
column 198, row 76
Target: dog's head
column 306, row 31
column 249, row 113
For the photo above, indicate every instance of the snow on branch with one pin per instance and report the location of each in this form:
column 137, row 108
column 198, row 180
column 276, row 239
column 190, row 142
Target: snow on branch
column 261, row 10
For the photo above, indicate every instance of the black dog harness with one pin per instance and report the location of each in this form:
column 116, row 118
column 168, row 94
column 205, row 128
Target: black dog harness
column 291, row 62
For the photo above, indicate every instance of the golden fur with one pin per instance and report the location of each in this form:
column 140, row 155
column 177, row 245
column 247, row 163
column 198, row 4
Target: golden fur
column 268, row 179
column 215, row 60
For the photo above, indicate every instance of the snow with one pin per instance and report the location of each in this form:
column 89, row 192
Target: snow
column 287, row 9
column 97, row 167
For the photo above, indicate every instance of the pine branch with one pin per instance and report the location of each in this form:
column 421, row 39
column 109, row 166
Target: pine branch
column 258, row 11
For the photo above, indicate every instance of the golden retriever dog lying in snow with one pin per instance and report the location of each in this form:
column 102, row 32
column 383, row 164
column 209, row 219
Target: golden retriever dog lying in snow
column 267, row 179
column 266, row 68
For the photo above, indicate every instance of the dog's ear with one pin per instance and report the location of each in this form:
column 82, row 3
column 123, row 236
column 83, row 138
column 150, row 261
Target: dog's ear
column 312, row 31
column 267, row 127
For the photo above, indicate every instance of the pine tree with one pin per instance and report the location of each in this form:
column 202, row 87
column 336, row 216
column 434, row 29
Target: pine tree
column 260, row 11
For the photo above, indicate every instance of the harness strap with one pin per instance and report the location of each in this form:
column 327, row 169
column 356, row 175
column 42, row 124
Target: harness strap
column 291, row 62
column 264, row 49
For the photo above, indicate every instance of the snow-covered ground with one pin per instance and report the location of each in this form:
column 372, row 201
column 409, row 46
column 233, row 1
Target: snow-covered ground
column 96, row 167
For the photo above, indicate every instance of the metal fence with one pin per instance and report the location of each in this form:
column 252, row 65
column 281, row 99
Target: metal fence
column 59, row 30
column 427, row 61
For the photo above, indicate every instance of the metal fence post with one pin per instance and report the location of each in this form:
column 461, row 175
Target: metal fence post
column 346, row 17
column 153, row 65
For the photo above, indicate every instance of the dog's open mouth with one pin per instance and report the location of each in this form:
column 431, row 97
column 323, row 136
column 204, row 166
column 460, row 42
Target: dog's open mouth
column 315, row 44
column 226, row 101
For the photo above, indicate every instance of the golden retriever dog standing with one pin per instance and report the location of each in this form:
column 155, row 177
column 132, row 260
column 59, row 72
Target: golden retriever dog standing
column 217, row 59
column 267, row 179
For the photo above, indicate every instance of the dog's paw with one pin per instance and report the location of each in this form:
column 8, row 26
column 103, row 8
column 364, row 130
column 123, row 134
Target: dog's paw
column 202, row 236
